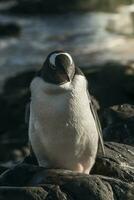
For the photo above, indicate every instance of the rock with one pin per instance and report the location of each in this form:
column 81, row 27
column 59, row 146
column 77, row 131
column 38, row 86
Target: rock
column 64, row 185
column 116, row 114
column 114, row 179
column 13, row 130
column 118, row 124
column 76, row 191
column 129, row 79
column 3, row 169
column 9, row 30
column 113, row 88
column 109, row 84
column 118, row 162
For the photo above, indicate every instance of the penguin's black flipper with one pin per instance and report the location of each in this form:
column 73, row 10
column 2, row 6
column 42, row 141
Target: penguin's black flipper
column 94, row 113
column 98, row 125
column 27, row 113
column 97, row 121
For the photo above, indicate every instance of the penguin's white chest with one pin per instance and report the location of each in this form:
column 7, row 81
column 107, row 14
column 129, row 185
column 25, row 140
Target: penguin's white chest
column 61, row 124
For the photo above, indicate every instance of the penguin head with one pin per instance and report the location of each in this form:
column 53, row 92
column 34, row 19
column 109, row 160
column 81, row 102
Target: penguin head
column 58, row 68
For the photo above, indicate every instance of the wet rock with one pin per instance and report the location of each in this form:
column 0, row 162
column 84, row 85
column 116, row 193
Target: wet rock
column 9, row 30
column 112, row 178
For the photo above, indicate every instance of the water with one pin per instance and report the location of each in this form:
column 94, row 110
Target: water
column 83, row 35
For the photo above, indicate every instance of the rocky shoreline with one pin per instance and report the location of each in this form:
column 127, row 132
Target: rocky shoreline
column 112, row 175
column 111, row 84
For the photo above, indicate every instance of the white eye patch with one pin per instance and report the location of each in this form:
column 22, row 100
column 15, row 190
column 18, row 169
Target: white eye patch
column 53, row 58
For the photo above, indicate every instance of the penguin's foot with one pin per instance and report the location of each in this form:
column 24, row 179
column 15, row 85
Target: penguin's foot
column 80, row 168
column 85, row 166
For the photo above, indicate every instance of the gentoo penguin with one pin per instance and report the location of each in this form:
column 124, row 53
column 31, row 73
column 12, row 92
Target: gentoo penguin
column 64, row 130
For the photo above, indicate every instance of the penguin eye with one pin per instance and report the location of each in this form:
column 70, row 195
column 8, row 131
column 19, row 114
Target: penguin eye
column 52, row 61
column 53, row 67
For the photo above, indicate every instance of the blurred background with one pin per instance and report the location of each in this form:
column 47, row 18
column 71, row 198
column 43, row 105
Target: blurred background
column 98, row 34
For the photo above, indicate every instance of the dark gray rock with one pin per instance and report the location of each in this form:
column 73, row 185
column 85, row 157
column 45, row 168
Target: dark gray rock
column 3, row 169
column 118, row 123
column 13, row 130
column 65, row 185
column 118, row 162
column 129, row 79
column 37, row 193
column 112, row 87
column 61, row 184
column 9, row 30
column 108, row 84
column 112, row 178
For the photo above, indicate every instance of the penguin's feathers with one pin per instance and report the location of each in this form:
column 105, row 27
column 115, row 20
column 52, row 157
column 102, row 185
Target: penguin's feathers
column 94, row 113
column 93, row 110
column 27, row 113
column 98, row 126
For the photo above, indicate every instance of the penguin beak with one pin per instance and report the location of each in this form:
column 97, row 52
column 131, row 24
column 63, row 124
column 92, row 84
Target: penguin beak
column 69, row 71
column 58, row 69
column 68, row 74
column 64, row 77
column 64, row 74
